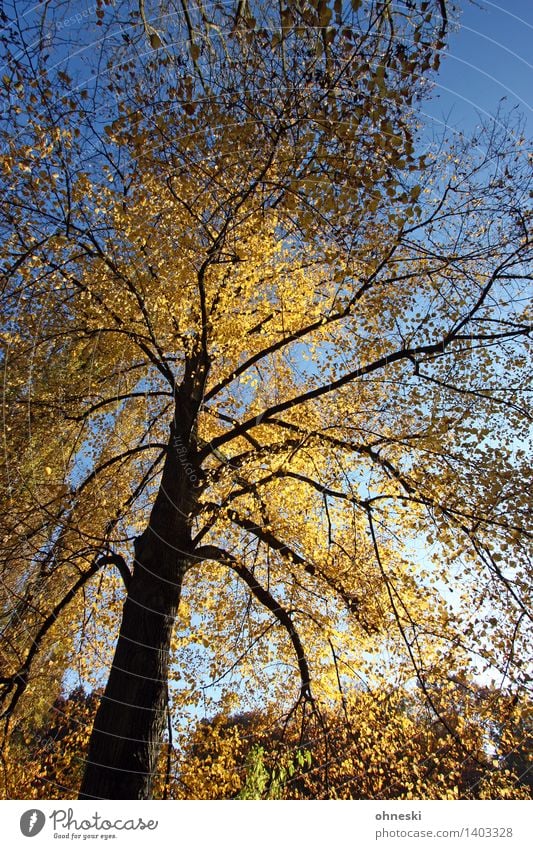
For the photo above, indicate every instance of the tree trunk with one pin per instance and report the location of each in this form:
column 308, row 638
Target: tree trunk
column 128, row 728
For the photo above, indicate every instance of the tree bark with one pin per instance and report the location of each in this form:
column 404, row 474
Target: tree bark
column 128, row 728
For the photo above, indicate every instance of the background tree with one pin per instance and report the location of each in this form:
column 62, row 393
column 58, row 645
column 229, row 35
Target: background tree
column 385, row 746
column 264, row 362
column 41, row 759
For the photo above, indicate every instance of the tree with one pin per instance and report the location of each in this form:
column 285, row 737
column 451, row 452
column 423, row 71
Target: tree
column 252, row 331
column 390, row 746
column 41, row 759
column 385, row 747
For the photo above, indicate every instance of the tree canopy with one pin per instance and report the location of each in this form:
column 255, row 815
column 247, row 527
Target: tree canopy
column 265, row 372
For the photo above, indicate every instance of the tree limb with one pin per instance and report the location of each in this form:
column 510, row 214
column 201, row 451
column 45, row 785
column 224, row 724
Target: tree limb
column 213, row 552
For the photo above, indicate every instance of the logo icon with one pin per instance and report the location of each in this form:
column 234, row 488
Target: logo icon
column 32, row 822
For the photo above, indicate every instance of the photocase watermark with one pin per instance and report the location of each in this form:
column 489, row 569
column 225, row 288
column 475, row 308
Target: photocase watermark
column 84, row 15
column 182, row 455
column 66, row 826
column 32, row 822
column 64, row 819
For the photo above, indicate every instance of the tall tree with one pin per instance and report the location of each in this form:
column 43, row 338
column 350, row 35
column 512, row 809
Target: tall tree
column 254, row 327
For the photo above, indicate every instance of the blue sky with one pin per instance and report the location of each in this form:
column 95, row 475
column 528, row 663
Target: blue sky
column 490, row 57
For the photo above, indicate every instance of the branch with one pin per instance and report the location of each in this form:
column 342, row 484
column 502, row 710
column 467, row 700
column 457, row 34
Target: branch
column 351, row 602
column 444, row 15
column 213, row 552
column 306, row 330
column 116, row 459
column 152, row 34
column 19, row 680
column 160, row 361
column 118, row 561
column 324, row 389
column 419, row 675
column 105, row 402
